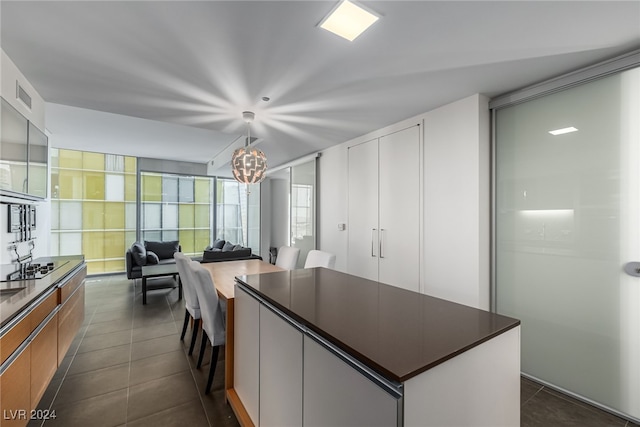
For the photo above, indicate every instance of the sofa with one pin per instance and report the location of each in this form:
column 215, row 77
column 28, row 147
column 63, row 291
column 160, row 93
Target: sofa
column 222, row 250
column 149, row 253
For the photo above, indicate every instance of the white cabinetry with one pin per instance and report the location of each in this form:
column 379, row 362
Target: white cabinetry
column 247, row 352
column 335, row 394
column 384, row 209
column 280, row 371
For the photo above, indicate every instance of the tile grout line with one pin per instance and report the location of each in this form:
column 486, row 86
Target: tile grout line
column 126, row 408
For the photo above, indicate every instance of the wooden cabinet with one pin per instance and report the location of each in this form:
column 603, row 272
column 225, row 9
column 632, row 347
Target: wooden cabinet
column 384, row 209
column 15, row 390
column 71, row 314
column 280, row 371
column 44, row 358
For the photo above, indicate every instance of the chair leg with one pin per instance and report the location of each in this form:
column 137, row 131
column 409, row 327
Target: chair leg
column 186, row 323
column 202, row 347
column 194, row 335
column 212, row 368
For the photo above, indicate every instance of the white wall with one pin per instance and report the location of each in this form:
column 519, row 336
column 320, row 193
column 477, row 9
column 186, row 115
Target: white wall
column 9, row 74
column 456, row 248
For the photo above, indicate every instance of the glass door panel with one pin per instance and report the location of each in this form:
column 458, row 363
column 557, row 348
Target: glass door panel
column 567, row 213
column 303, row 217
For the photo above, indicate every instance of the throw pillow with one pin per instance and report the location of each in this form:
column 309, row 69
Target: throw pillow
column 152, row 258
column 228, row 247
column 218, row 244
column 237, row 247
column 139, row 254
column 164, row 250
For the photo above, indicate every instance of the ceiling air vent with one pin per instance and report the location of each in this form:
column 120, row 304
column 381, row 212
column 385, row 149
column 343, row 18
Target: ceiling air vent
column 22, row 95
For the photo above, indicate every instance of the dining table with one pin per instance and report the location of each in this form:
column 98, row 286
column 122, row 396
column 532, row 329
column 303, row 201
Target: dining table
column 224, row 275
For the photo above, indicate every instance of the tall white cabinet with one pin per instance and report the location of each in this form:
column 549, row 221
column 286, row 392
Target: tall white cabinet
column 384, row 188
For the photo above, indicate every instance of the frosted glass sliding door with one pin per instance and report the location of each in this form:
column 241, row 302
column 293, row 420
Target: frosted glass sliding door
column 567, row 221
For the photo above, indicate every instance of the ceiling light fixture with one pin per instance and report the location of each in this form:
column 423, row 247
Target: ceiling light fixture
column 248, row 164
column 563, row 131
column 348, row 20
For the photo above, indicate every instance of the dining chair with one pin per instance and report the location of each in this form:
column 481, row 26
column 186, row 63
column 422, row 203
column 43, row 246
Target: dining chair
column 213, row 323
column 317, row 258
column 191, row 304
column 287, row 257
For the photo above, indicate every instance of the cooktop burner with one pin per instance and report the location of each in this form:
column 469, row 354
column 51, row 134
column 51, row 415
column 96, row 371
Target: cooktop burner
column 32, row 270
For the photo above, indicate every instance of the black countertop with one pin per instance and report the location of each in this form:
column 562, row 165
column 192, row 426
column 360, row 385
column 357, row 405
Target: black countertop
column 12, row 304
column 396, row 332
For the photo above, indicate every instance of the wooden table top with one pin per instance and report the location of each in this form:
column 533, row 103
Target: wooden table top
column 224, row 273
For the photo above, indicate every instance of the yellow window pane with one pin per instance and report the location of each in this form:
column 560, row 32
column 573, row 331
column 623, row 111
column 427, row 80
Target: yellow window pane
column 151, row 188
column 94, row 185
column 202, row 216
column 203, row 190
column 114, row 244
column 114, row 266
column 70, row 159
column 201, row 240
column 93, row 161
column 93, row 215
column 93, row 245
column 130, row 188
column 130, row 164
column 186, row 213
column 95, row 267
column 70, row 184
column 187, row 241
column 113, row 215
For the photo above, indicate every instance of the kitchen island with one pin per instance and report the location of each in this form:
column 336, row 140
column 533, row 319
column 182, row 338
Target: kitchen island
column 320, row 347
column 40, row 315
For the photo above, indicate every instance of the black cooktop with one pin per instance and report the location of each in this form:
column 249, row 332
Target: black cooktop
column 28, row 271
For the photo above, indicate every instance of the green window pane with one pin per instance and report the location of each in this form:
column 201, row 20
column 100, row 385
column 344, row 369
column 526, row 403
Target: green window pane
column 93, row 245
column 203, row 190
column 94, row 185
column 93, row 216
column 114, row 244
column 130, row 164
column 187, row 241
column 55, row 157
column 95, row 267
column 186, row 216
column 93, row 161
column 202, row 240
column 55, row 183
column 114, row 266
column 202, row 216
column 151, row 188
column 70, row 184
column 114, row 215
column 70, row 159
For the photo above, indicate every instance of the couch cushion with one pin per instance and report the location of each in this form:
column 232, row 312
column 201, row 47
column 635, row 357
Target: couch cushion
column 164, row 250
column 228, row 247
column 139, row 254
column 218, row 244
column 152, row 258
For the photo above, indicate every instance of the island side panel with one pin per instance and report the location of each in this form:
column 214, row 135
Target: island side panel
column 478, row 387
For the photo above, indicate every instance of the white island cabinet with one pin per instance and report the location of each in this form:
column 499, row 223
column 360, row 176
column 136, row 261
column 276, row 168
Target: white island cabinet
column 319, row 348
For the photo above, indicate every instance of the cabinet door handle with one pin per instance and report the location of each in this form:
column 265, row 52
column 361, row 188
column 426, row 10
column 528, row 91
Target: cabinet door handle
column 381, row 242
column 373, row 231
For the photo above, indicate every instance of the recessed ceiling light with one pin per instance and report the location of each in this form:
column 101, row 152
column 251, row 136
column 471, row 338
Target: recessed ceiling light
column 563, row 130
column 348, row 20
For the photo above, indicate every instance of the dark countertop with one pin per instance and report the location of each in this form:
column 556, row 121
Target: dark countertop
column 397, row 333
column 11, row 305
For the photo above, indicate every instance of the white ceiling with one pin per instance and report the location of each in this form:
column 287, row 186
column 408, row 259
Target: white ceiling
column 189, row 68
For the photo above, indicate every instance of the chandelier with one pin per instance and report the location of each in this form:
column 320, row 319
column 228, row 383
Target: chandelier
column 248, row 164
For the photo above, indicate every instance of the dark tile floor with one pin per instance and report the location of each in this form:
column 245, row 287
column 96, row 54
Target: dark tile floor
column 127, row 367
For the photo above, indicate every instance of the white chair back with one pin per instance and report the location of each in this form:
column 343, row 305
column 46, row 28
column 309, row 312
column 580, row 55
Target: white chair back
column 317, row 258
column 287, row 257
column 188, row 284
column 212, row 317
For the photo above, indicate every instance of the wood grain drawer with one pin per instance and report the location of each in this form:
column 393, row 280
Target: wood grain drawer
column 44, row 359
column 15, row 391
column 69, row 287
column 70, row 318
